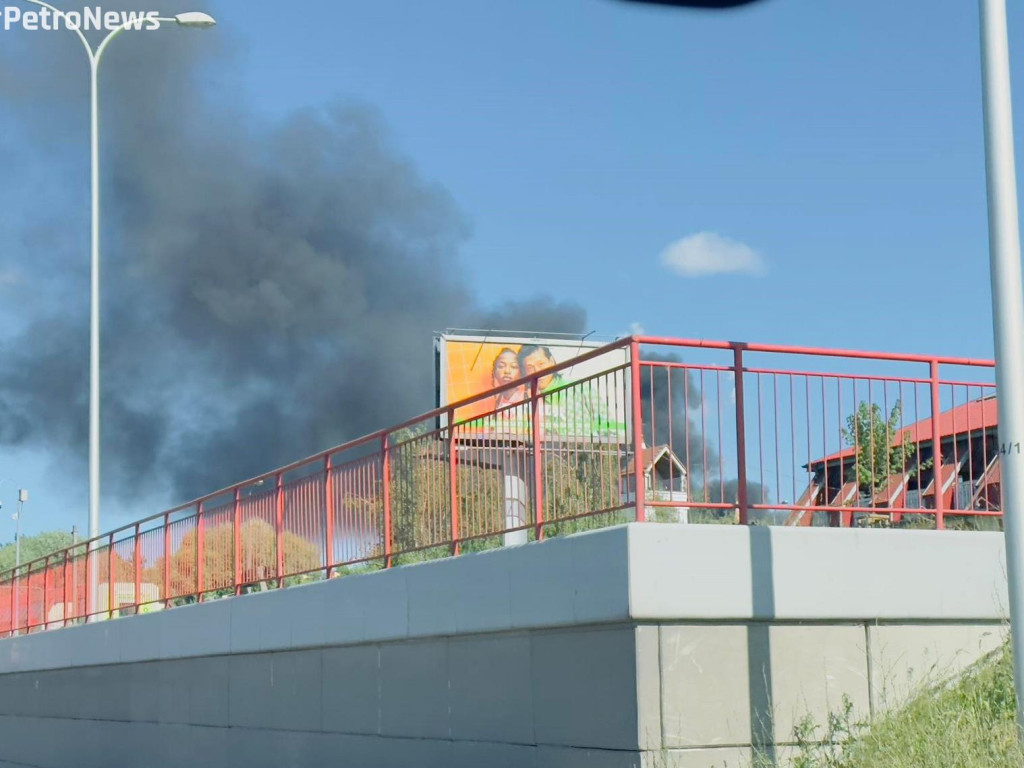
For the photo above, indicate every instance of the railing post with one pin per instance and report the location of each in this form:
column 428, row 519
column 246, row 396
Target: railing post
column 537, row 437
column 237, row 528
column 46, row 583
column 111, row 576
column 328, row 516
column 741, row 438
column 138, row 568
column 15, row 607
column 940, row 521
column 167, row 558
column 89, row 568
column 453, row 489
column 200, row 553
column 280, row 529
column 639, row 486
column 67, row 584
column 385, row 479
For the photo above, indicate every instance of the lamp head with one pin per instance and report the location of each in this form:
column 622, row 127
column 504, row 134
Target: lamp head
column 196, row 19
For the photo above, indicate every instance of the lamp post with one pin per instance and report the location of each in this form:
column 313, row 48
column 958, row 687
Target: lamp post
column 192, row 19
column 1007, row 300
column 22, row 498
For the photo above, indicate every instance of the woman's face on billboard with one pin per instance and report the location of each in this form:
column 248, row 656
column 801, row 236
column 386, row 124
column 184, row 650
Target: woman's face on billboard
column 506, row 368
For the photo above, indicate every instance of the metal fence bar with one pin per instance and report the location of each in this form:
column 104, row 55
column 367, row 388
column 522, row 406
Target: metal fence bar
column 639, row 489
column 933, row 368
column 742, row 500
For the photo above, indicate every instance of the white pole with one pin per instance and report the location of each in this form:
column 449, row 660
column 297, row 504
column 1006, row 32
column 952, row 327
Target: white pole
column 1007, row 312
column 94, row 313
column 17, row 536
column 94, row 333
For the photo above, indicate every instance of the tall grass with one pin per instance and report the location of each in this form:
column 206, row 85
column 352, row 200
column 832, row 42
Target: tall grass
column 967, row 723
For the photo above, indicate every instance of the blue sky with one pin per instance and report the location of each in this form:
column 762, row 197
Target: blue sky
column 835, row 149
column 841, row 142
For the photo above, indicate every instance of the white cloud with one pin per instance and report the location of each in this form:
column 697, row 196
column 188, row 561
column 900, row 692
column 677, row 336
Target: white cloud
column 708, row 253
column 636, row 329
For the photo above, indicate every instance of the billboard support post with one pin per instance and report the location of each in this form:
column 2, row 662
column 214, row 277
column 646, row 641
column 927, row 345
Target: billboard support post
column 538, row 459
column 453, row 474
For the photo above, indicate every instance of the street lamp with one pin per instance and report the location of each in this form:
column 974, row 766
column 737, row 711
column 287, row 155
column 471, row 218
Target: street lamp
column 1007, row 300
column 22, row 498
column 194, row 19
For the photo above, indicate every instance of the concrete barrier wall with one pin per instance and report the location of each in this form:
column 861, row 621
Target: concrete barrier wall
column 654, row 644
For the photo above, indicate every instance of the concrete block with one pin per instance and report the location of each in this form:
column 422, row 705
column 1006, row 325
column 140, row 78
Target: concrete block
column 474, row 754
column 208, row 683
column 279, row 619
column 306, row 615
column 403, row 753
column 256, row 748
column 715, row 757
column 812, row 667
column 648, row 687
column 257, row 623
column 250, row 691
column 129, row 744
column 414, row 689
column 680, row 572
column 84, row 645
column 584, row 687
column 51, row 699
column 176, row 680
column 471, row 593
column 144, row 692
column 544, row 591
column 140, row 638
column 600, row 565
column 114, row 681
column 208, row 746
column 366, row 608
column 174, row 744
column 434, row 593
column 296, row 690
column 904, row 658
column 491, row 698
column 203, row 629
column 351, row 689
column 19, row 695
column 880, row 574
column 485, row 597
column 549, row 756
column 705, row 683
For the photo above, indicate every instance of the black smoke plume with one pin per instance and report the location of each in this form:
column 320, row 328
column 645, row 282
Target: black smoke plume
column 269, row 288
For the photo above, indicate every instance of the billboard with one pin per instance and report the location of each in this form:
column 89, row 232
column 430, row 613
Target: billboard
column 586, row 400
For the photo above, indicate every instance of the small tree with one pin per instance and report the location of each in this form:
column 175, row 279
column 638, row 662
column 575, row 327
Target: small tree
column 874, row 435
column 33, row 547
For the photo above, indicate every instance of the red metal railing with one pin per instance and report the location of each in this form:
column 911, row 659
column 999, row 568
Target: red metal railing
column 670, row 430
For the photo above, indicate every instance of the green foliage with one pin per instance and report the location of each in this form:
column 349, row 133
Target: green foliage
column 966, row 723
column 33, row 547
column 874, row 434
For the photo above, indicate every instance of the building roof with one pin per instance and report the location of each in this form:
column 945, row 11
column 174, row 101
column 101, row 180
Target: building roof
column 651, row 456
column 975, row 416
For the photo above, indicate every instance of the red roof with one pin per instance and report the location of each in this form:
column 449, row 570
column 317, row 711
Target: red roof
column 975, row 416
column 948, row 472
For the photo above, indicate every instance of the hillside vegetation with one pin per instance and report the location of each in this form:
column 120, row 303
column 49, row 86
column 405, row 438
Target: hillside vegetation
column 967, row 723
